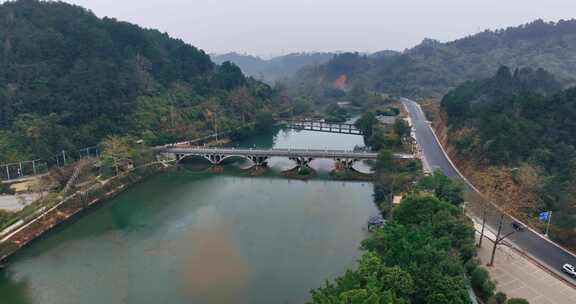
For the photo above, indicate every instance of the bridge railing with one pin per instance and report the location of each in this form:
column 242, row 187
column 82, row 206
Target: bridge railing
column 213, row 150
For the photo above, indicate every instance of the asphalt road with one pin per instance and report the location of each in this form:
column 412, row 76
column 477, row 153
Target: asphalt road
column 532, row 243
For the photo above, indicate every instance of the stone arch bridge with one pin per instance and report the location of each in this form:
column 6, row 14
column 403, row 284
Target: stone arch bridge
column 259, row 157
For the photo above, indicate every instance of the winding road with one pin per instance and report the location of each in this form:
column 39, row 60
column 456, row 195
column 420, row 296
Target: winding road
column 530, row 242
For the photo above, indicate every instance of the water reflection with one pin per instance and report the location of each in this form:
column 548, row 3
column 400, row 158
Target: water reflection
column 14, row 288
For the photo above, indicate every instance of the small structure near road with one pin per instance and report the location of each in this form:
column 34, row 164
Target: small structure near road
column 344, row 104
column 375, row 222
column 397, row 200
column 386, row 120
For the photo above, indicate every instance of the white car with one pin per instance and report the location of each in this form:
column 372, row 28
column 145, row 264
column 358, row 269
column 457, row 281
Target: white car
column 569, row 269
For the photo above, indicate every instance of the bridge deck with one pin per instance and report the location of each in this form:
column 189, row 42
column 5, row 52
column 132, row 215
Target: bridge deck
column 321, row 126
column 308, row 153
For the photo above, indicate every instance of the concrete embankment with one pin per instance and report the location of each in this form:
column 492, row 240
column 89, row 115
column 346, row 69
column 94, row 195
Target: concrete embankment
column 71, row 206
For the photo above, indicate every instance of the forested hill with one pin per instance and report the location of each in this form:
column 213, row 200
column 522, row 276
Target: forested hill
column 68, row 79
column 276, row 68
column 503, row 85
column 433, row 67
column 530, row 130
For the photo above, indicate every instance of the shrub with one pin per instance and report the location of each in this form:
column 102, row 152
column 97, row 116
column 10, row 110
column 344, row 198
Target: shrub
column 487, row 290
column 5, row 189
column 480, row 280
column 471, row 265
column 517, row 301
column 5, row 218
column 304, row 171
column 468, row 251
column 500, row 298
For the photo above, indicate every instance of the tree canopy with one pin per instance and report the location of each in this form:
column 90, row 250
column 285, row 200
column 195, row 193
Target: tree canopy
column 522, row 119
column 69, row 79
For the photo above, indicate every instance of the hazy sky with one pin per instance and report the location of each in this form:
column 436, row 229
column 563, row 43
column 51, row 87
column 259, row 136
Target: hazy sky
column 267, row 27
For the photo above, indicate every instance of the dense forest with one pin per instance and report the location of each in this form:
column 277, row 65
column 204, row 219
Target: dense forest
column 524, row 121
column 433, row 67
column 68, row 79
column 274, row 69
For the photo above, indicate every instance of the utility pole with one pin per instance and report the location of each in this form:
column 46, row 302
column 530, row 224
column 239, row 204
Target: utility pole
column 391, row 216
column 499, row 239
column 484, row 214
column 496, row 241
column 216, row 127
column 548, row 225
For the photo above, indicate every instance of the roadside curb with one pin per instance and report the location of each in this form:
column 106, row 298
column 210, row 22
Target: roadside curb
column 419, row 154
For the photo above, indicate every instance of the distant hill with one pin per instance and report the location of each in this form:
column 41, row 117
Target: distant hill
column 68, row 79
column 433, row 67
column 276, row 68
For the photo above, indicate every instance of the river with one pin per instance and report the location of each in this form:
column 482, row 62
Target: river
column 194, row 237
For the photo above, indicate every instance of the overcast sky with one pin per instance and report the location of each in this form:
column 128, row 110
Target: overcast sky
column 272, row 27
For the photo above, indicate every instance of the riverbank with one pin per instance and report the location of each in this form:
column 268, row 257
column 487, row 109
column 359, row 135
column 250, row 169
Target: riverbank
column 302, row 174
column 351, row 175
column 74, row 205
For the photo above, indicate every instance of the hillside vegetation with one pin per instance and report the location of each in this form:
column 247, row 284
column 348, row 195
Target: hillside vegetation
column 432, row 67
column 69, row 79
column 274, row 69
column 522, row 121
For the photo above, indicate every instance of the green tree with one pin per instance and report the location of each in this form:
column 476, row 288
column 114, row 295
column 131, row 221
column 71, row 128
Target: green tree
column 366, row 124
column 443, row 187
column 385, row 161
column 373, row 282
column 335, row 113
column 229, row 76
column 302, row 105
column 116, row 153
column 401, row 128
column 264, row 120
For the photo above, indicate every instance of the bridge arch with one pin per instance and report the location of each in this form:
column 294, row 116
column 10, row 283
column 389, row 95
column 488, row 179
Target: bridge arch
column 184, row 157
column 216, row 159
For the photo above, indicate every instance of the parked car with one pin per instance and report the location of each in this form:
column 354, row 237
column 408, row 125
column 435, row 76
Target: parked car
column 569, row 269
column 517, row 226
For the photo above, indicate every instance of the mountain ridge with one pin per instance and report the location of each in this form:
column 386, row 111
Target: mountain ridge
column 433, row 67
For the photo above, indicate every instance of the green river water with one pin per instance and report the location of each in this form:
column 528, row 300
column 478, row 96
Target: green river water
column 194, row 237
